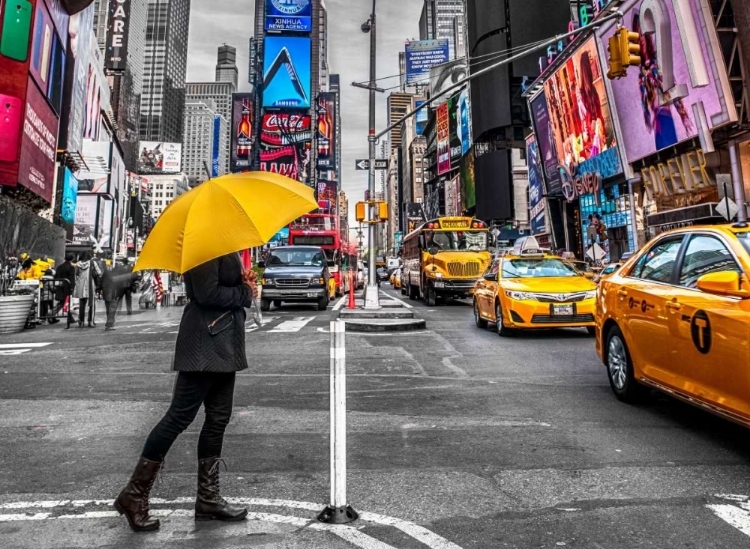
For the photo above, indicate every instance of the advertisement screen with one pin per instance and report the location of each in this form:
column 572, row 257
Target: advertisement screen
column 97, row 157
column 286, row 145
column 216, row 146
column 584, row 132
column 104, row 222
column 85, row 220
column 159, row 157
column 69, row 197
column 281, row 129
column 681, row 74
column 545, row 140
column 291, row 160
column 327, row 191
column 423, row 54
column 468, row 188
column 286, row 72
column 326, row 131
column 289, row 15
column 537, row 218
column 443, row 139
column 81, row 32
column 241, row 131
column 36, row 168
column 41, row 48
column 116, row 51
column 422, row 117
column 464, row 116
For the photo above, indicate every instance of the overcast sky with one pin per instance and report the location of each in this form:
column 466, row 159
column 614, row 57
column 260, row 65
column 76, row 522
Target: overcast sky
column 214, row 22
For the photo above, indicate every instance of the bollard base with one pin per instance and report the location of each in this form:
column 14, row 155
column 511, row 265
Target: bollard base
column 338, row 515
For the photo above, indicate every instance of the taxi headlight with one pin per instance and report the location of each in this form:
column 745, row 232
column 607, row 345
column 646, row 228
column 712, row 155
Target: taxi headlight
column 520, row 296
column 590, row 295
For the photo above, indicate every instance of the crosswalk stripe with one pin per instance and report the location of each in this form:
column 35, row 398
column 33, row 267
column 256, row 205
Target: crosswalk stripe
column 23, row 345
column 293, row 325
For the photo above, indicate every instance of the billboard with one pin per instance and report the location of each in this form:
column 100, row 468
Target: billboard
column 444, row 76
column 286, row 145
column 69, row 197
column 468, row 190
column 216, row 146
column 327, row 194
column 116, row 52
column 326, row 131
column 289, row 15
column 537, row 217
column 80, row 30
column 545, row 140
column 36, row 166
column 84, row 226
column 584, row 132
column 443, row 140
column 421, row 118
column 41, row 46
column 279, row 129
column 98, row 159
column 286, row 72
column 159, row 157
column 241, row 131
column 292, row 160
column 97, row 97
column 463, row 117
column 681, row 81
column 423, row 54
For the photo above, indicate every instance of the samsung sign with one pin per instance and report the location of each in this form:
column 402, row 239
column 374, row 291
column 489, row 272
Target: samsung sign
column 289, row 15
column 116, row 54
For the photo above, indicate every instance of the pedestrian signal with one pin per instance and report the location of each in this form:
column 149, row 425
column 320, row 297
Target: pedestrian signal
column 630, row 47
column 616, row 69
column 360, row 211
column 383, row 211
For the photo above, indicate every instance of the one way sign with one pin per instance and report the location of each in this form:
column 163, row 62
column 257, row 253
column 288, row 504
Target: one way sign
column 364, row 164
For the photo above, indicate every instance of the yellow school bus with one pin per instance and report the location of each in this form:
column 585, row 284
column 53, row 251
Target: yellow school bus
column 443, row 258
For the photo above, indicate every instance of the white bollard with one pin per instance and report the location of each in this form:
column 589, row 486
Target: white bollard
column 338, row 512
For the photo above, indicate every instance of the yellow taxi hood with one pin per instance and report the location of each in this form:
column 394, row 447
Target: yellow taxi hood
column 561, row 284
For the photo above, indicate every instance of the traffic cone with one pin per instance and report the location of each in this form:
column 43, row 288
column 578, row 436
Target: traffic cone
column 352, row 304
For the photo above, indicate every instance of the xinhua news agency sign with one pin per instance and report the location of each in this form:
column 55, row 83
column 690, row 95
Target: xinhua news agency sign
column 116, row 54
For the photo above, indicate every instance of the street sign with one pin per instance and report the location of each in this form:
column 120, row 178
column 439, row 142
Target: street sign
column 727, row 208
column 364, row 164
column 595, row 252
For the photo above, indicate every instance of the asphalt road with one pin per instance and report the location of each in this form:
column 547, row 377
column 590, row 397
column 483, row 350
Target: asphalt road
column 456, row 439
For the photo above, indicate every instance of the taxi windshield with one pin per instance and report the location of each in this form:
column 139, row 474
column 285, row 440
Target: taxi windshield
column 537, row 268
column 475, row 241
column 745, row 239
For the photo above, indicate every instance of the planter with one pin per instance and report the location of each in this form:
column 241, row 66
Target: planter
column 14, row 311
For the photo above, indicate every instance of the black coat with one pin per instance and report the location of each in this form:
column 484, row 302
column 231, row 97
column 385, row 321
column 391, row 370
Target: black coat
column 116, row 281
column 214, row 288
column 67, row 272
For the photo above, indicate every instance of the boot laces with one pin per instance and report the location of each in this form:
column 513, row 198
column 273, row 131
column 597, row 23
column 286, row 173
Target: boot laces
column 214, row 473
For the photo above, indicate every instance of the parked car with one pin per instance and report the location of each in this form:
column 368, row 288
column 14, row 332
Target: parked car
column 382, row 274
column 295, row 274
column 360, row 275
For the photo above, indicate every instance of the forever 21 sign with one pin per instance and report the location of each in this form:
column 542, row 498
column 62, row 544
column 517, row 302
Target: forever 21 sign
column 117, row 35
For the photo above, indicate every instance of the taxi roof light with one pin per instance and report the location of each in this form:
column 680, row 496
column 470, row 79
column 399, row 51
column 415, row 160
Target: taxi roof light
column 527, row 246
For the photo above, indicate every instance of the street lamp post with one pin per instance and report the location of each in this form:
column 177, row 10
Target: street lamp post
column 372, row 300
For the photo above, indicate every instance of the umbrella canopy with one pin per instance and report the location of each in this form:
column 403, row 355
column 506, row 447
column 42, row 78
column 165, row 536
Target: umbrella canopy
column 223, row 215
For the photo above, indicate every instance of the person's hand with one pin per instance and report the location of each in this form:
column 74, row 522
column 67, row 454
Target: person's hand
column 250, row 279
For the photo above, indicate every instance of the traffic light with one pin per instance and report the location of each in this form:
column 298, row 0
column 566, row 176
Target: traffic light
column 383, row 211
column 630, row 47
column 616, row 69
column 360, row 211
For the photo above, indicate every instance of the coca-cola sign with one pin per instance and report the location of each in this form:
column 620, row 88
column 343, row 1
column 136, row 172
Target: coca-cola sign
column 279, row 130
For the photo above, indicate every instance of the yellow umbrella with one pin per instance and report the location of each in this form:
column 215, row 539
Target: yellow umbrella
column 223, row 215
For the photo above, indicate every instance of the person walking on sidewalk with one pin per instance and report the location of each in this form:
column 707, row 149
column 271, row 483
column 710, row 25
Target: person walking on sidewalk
column 210, row 350
column 67, row 275
column 87, row 274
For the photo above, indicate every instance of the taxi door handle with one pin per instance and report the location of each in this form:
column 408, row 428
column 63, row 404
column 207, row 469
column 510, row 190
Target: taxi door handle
column 674, row 305
column 622, row 293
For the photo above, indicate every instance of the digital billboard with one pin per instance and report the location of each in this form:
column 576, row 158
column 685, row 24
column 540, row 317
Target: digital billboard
column 289, row 15
column 80, row 30
column 241, row 131
column 116, row 51
column 279, row 129
column 286, row 72
column 584, row 132
column 98, row 159
column 423, row 54
column 463, row 119
column 545, row 140
column 443, row 139
column 216, row 146
column 292, row 160
column 159, row 157
column 421, row 118
column 326, row 131
column 286, row 145
column 84, row 227
column 537, row 217
column 69, row 197
column 681, row 78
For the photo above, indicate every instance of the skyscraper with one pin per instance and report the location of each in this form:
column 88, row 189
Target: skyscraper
column 163, row 99
column 219, row 96
column 204, row 141
column 437, row 21
column 226, row 65
column 398, row 105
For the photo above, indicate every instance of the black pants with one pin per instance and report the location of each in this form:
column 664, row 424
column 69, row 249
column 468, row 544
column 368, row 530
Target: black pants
column 111, row 307
column 216, row 392
column 91, row 301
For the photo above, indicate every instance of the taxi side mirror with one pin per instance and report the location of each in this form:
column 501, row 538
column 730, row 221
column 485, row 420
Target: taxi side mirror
column 724, row 283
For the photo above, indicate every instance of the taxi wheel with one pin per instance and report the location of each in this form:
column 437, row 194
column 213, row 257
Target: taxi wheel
column 620, row 368
column 502, row 329
column 480, row 322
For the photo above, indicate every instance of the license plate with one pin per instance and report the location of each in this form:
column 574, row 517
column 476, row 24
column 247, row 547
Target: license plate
column 562, row 310
column 311, row 294
column 440, row 284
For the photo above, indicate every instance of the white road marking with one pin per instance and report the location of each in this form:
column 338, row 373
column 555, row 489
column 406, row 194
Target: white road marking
column 293, row 325
column 12, row 352
column 340, row 303
column 266, row 320
column 23, row 345
column 393, row 298
column 460, row 372
column 350, row 533
column 737, row 514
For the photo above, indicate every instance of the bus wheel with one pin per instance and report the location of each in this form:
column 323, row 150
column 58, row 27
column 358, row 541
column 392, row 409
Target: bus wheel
column 413, row 293
column 429, row 296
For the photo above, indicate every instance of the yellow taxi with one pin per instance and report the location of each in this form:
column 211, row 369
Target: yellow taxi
column 676, row 317
column 396, row 279
column 582, row 267
column 527, row 288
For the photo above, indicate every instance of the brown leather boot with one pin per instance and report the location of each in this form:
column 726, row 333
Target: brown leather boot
column 133, row 500
column 209, row 505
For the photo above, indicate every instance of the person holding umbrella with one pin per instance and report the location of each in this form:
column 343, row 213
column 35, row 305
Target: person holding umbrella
column 210, row 347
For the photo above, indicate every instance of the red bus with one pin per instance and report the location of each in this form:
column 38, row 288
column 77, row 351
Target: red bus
column 321, row 230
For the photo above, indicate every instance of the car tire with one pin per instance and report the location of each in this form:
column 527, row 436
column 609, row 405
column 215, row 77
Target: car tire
column 277, row 303
column 591, row 330
column 265, row 305
column 478, row 320
column 502, row 329
column 323, row 303
column 620, row 368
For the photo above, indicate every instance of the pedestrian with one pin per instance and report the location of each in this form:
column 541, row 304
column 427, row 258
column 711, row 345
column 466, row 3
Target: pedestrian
column 66, row 274
column 88, row 273
column 115, row 283
column 135, row 280
column 210, row 350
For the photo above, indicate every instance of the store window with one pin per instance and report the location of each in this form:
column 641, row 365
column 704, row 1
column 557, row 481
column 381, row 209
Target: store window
column 613, row 209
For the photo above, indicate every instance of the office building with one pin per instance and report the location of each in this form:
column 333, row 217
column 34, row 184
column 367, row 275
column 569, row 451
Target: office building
column 219, row 95
column 203, row 142
column 163, row 189
column 437, row 21
column 226, row 65
column 163, row 99
column 402, row 72
column 399, row 104
column 322, row 46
